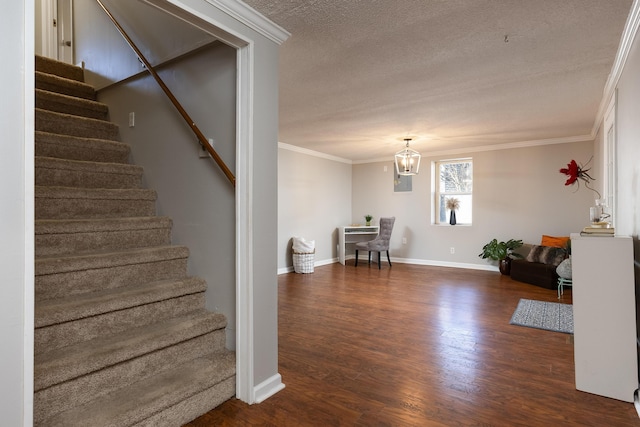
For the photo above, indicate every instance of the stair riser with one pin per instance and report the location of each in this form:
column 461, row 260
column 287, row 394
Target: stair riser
column 56, row 336
column 64, row 124
column 76, row 282
column 46, row 101
column 61, row 69
column 53, row 208
column 74, row 148
column 61, row 244
column 61, row 397
column 86, row 179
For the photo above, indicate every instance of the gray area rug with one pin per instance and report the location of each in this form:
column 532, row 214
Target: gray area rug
column 551, row 316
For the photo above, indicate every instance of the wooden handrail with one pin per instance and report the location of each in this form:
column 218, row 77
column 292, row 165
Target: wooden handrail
column 201, row 138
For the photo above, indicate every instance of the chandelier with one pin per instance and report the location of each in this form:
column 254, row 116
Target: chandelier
column 407, row 160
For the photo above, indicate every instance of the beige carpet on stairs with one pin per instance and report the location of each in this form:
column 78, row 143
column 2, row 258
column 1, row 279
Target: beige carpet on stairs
column 122, row 334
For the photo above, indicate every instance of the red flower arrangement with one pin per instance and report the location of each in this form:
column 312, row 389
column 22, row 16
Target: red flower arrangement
column 576, row 174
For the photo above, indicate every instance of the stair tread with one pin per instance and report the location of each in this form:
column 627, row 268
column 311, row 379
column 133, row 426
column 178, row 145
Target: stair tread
column 78, row 359
column 66, row 263
column 59, row 310
column 72, row 117
column 87, row 166
column 66, row 226
column 69, row 124
column 52, row 66
column 85, row 146
column 147, row 397
column 44, row 99
column 60, row 84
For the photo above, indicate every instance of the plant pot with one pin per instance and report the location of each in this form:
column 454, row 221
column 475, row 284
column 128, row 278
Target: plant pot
column 452, row 218
column 505, row 266
column 368, row 223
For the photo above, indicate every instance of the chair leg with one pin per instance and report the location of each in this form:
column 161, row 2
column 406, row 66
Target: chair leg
column 356, row 257
column 379, row 264
column 388, row 259
column 369, row 257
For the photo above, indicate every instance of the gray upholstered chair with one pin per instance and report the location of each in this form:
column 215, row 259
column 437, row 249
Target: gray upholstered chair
column 380, row 243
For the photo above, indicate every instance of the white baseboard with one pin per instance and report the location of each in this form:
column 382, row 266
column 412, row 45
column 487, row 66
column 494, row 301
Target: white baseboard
column 267, row 388
column 469, row 266
column 286, row 270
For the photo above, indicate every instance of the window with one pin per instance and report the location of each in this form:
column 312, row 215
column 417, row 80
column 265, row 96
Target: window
column 453, row 179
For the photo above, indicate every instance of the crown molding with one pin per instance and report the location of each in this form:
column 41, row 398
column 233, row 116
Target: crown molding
column 313, row 153
column 494, row 147
column 252, row 19
column 626, row 41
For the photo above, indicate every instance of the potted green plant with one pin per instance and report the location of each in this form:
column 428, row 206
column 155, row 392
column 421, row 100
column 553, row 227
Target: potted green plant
column 501, row 252
column 368, row 218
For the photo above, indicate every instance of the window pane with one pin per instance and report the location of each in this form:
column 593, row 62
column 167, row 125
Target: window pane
column 456, row 177
column 463, row 215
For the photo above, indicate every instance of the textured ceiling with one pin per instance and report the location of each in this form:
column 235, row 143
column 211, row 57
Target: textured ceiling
column 356, row 77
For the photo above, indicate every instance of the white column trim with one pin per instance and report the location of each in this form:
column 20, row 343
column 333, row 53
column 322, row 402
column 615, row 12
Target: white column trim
column 28, row 321
column 244, row 227
column 626, row 41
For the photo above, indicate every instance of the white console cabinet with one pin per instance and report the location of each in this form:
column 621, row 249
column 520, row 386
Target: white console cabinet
column 604, row 316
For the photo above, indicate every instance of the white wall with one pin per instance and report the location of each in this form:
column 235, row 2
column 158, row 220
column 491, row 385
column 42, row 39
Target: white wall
column 314, row 198
column 518, row 193
column 16, row 214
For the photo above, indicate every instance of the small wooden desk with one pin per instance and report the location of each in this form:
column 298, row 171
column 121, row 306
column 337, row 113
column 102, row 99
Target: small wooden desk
column 353, row 234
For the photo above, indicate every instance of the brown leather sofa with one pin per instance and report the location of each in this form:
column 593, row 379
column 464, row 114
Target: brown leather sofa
column 542, row 274
column 534, row 273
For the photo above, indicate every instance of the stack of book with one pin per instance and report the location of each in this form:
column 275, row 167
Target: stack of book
column 597, row 231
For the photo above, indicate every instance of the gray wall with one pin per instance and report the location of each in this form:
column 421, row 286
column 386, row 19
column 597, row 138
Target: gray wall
column 153, row 31
column 518, row 193
column 314, row 198
column 191, row 190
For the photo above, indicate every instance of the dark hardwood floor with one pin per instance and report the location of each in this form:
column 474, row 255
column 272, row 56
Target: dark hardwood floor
column 418, row 346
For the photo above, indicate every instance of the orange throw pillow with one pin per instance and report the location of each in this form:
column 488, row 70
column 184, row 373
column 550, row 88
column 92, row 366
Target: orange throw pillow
column 555, row 242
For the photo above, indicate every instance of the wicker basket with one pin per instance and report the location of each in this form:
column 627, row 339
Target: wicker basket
column 303, row 262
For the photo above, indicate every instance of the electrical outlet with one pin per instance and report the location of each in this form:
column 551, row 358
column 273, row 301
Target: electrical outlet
column 452, row 250
column 384, row 169
column 404, row 240
column 132, row 119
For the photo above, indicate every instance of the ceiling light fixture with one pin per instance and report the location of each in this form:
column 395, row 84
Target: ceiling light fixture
column 407, row 160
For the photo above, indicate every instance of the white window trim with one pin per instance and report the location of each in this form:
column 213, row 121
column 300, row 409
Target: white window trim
column 435, row 173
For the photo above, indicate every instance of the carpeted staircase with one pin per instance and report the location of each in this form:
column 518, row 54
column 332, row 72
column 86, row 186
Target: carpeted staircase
column 122, row 334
